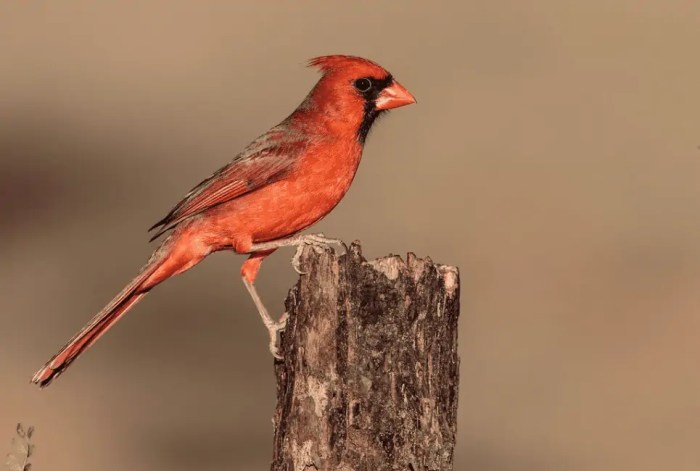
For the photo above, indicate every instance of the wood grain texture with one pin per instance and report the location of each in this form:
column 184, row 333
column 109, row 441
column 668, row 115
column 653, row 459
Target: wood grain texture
column 370, row 374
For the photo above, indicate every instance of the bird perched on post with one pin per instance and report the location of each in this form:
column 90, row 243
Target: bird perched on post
column 282, row 183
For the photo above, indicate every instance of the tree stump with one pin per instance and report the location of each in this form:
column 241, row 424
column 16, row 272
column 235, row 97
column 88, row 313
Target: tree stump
column 370, row 374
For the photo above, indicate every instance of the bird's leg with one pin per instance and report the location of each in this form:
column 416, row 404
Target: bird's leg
column 249, row 272
column 250, row 268
column 273, row 328
column 318, row 240
column 300, row 241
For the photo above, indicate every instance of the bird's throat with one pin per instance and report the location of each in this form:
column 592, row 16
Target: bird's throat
column 370, row 115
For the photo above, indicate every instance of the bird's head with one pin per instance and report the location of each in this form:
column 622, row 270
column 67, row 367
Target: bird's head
column 352, row 93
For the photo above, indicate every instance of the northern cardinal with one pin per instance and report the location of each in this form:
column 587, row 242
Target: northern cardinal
column 283, row 182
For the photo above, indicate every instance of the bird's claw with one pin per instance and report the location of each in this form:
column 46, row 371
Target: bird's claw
column 274, row 329
column 296, row 260
column 318, row 241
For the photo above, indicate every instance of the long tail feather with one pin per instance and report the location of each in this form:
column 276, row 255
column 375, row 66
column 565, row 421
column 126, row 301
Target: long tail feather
column 98, row 325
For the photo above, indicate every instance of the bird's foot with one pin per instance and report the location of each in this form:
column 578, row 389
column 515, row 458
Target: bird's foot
column 274, row 328
column 317, row 241
column 320, row 240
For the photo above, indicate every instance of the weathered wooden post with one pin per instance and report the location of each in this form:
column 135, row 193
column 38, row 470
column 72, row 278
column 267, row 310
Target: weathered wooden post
column 370, row 374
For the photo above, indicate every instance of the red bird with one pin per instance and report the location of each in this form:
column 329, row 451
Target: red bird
column 282, row 183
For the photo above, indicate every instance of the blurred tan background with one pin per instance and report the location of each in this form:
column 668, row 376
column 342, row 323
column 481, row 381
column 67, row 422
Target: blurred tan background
column 553, row 156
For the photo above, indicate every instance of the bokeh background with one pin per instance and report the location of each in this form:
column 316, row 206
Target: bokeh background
column 553, row 156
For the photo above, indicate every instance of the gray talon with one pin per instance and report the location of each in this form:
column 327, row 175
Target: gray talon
column 275, row 329
column 318, row 241
column 296, row 261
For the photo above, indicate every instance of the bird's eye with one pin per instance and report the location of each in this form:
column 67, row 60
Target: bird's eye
column 363, row 84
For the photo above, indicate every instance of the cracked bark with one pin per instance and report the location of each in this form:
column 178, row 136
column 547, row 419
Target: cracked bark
column 370, row 372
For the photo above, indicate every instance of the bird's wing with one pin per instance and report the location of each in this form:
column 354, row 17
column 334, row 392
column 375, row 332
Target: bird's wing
column 266, row 160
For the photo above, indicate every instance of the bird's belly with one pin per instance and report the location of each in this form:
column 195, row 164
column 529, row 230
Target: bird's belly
column 278, row 210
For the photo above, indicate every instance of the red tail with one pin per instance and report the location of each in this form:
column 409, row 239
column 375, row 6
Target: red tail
column 99, row 324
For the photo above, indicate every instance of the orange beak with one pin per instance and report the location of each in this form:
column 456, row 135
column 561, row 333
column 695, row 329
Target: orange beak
column 393, row 96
